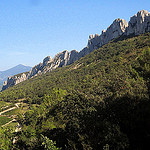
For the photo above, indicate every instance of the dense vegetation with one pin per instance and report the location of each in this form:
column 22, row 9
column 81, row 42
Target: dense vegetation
column 100, row 101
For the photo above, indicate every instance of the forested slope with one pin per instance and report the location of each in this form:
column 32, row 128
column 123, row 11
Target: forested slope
column 100, row 100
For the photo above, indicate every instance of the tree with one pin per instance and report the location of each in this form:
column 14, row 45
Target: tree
column 48, row 144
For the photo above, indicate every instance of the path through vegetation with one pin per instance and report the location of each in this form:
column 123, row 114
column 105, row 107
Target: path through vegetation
column 7, row 110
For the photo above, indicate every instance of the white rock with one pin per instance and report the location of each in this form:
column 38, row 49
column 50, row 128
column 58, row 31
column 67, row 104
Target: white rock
column 139, row 23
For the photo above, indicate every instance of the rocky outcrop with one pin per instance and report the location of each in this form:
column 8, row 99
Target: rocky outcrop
column 11, row 81
column 138, row 24
column 117, row 28
column 38, row 69
column 60, row 60
column 13, row 71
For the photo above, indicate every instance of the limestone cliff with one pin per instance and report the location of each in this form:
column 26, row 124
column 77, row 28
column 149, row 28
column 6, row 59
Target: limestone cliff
column 138, row 24
column 116, row 29
column 11, row 81
column 60, row 60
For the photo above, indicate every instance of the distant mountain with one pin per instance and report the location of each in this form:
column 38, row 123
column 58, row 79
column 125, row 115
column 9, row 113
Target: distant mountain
column 13, row 71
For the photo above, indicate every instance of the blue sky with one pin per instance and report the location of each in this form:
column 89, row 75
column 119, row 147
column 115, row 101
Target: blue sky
column 33, row 29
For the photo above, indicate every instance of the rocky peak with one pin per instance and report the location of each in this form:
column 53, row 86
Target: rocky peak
column 92, row 36
column 116, row 29
column 11, row 81
column 142, row 13
column 72, row 57
column 123, row 24
column 139, row 23
column 93, row 40
column 62, row 55
column 103, row 31
column 60, row 59
column 47, row 60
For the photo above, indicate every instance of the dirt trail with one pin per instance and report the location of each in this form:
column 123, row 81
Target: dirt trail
column 7, row 110
column 8, row 123
column 18, row 127
column 17, row 106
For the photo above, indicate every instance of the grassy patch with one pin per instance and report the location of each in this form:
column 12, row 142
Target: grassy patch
column 4, row 120
column 12, row 112
column 12, row 125
column 22, row 109
column 3, row 104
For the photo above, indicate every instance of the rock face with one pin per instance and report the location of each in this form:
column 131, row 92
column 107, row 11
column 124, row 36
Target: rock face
column 39, row 68
column 60, row 60
column 11, row 81
column 13, row 71
column 138, row 24
column 116, row 29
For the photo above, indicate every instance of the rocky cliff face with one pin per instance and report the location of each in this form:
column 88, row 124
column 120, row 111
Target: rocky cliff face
column 138, row 24
column 60, row 60
column 11, row 81
column 116, row 29
column 13, row 71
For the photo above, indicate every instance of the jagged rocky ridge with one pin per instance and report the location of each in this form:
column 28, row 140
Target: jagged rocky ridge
column 138, row 24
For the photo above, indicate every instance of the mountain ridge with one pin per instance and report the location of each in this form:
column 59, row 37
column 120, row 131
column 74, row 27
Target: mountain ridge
column 138, row 24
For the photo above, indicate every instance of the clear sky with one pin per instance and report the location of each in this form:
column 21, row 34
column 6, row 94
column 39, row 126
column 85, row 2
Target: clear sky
column 33, row 29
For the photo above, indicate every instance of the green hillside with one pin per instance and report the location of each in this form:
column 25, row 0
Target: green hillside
column 100, row 101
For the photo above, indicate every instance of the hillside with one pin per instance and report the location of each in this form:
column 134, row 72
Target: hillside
column 101, row 100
